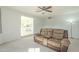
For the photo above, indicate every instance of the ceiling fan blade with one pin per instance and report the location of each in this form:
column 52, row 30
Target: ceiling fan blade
column 49, row 7
column 48, row 10
column 41, row 8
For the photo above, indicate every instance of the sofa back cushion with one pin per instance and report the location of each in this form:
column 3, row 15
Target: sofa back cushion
column 58, row 34
column 46, row 32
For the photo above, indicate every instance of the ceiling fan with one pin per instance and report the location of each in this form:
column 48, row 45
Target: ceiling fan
column 45, row 8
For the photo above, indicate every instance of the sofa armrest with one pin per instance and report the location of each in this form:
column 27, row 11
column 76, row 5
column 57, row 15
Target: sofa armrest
column 65, row 42
column 36, row 35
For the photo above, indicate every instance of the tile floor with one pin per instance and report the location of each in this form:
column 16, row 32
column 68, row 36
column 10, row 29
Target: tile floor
column 27, row 44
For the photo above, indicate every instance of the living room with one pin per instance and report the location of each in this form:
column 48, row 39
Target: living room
column 60, row 17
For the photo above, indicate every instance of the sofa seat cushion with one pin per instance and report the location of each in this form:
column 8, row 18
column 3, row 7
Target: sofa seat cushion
column 45, row 41
column 46, row 32
column 40, row 38
column 54, row 42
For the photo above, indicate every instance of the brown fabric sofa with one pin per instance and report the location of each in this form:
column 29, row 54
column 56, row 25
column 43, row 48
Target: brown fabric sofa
column 56, row 39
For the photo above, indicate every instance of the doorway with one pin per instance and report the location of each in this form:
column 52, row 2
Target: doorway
column 26, row 26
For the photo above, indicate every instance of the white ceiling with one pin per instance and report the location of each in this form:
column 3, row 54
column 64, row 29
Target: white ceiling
column 57, row 10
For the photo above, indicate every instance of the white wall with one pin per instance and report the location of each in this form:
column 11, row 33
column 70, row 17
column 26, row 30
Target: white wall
column 60, row 21
column 38, row 24
column 0, row 22
column 11, row 24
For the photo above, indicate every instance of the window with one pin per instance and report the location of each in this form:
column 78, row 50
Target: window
column 26, row 26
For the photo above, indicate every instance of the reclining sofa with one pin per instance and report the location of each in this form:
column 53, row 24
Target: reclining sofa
column 56, row 39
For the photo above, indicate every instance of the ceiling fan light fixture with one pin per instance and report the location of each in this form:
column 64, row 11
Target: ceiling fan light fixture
column 50, row 17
